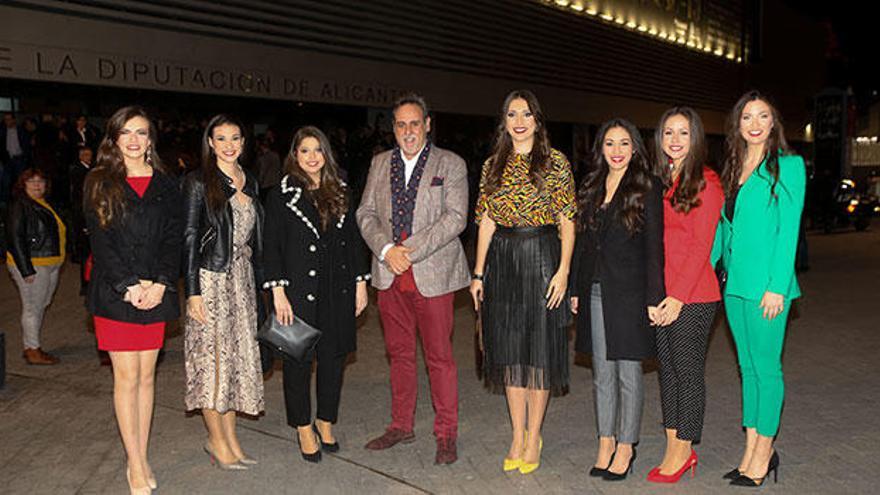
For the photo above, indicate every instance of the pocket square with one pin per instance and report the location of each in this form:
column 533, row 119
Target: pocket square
column 437, row 181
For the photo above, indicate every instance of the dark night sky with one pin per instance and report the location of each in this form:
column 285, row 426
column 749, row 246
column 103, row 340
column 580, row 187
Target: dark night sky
column 853, row 47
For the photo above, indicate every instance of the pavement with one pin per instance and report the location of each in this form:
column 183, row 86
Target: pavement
column 58, row 432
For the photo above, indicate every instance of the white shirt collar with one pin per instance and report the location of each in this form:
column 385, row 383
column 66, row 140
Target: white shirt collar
column 409, row 164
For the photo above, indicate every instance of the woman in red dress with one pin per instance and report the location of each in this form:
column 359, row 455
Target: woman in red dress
column 133, row 217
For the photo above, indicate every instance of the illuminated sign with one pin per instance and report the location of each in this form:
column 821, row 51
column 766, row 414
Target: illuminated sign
column 713, row 27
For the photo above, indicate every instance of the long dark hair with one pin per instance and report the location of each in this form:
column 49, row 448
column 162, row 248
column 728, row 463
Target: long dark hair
column 104, row 185
column 330, row 197
column 736, row 146
column 690, row 178
column 215, row 195
column 636, row 181
column 539, row 158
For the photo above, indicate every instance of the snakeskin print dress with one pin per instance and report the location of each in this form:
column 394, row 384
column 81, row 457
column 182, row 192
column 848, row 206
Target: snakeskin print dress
column 223, row 358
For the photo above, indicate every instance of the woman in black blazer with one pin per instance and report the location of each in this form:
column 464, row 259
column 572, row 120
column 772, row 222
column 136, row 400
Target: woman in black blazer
column 132, row 212
column 617, row 269
column 315, row 265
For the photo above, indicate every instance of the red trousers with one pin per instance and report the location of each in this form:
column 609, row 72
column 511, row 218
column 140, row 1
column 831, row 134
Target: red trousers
column 404, row 311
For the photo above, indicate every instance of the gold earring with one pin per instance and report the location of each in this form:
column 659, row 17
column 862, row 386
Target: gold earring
column 149, row 157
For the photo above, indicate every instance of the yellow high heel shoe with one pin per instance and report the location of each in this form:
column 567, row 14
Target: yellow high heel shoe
column 529, row 467
column 514, row 464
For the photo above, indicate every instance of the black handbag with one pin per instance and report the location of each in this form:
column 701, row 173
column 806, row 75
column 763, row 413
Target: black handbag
column 296, row 341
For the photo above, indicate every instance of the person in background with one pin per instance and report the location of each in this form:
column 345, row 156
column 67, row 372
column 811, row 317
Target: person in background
column 268, row 166
column 35, row 236
column 15, row 154
column 79, row 235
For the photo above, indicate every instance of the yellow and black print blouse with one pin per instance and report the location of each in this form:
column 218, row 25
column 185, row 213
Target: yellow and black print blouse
column 518, row 203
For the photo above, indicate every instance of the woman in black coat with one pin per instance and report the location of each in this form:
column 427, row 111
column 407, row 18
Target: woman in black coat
column 617, row 269
column 132, row 212
column 315, row 265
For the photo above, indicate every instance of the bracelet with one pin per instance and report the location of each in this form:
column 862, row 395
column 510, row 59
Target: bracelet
column 477, row 276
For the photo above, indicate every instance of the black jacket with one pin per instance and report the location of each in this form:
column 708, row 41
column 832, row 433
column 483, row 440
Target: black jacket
column 31, row 232
column 631, row 277
column 207, row 239
column 142, row 245
column 318, row 268
column 24, row 142
column 77, row 176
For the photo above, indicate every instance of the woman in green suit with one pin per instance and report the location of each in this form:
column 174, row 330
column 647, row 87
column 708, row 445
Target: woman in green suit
column 756, row 242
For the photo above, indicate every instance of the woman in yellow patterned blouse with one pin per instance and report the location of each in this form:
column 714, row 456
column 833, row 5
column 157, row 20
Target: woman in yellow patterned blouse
column 524, row 247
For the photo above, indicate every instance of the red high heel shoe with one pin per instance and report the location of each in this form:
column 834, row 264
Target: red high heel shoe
column 691, row 463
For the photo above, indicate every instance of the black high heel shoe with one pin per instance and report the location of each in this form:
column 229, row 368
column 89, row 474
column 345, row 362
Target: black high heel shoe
column 772, row 466
column 328, row 447
column 598, row 472
column 314, row 456
column 609, row 476
column 732, row 474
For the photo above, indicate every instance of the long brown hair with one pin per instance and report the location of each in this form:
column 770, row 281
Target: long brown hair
column 539, row 158
column 736, row 146
column 636, row 181
column 690, row 178
column 330, row 198
column 215, row 195
column 104, row 185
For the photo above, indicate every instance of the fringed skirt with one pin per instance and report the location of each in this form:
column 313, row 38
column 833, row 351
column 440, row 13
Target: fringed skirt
column 524, row 343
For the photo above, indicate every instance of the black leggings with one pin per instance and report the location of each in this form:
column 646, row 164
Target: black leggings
column 681, row 349
column 297, row 390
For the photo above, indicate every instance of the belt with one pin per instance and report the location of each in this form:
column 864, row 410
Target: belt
column 526, row 231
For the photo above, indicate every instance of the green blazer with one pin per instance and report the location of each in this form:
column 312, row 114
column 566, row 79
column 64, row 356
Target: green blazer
column 757, row 247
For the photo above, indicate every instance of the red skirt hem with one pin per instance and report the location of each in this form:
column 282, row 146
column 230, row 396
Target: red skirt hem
column 121, row 336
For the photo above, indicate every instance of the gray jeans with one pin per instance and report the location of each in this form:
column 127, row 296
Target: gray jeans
column 612, row 379
column 35, row 297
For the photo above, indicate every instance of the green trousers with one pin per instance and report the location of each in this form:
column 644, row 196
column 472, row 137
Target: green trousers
column 759, row 351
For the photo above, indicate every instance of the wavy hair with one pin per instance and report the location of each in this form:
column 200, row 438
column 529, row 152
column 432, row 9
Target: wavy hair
column 330, row 198
column 539, row 158
column 105, row 184
column 633, row 187
column 690, row 178
column 736, row 146
column 215, row 195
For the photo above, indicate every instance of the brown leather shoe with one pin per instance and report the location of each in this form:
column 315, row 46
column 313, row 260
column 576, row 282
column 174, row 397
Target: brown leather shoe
column 38, row 356
column 447, row 452
column 390, row 438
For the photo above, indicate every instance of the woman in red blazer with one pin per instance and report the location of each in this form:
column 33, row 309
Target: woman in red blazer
column 691, row 209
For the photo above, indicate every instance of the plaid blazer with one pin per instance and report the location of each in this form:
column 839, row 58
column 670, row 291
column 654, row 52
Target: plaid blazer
column 439, row 263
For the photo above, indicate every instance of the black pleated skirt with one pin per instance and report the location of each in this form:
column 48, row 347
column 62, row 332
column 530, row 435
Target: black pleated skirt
column 524, row 343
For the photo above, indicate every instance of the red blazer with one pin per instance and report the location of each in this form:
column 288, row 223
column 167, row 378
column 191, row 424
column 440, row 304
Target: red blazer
column 687, row 240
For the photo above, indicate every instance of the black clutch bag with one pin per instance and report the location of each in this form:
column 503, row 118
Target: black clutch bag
column 295, row 341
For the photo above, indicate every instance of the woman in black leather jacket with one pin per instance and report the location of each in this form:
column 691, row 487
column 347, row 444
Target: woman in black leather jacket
column 35, row 236
column 222, row 246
